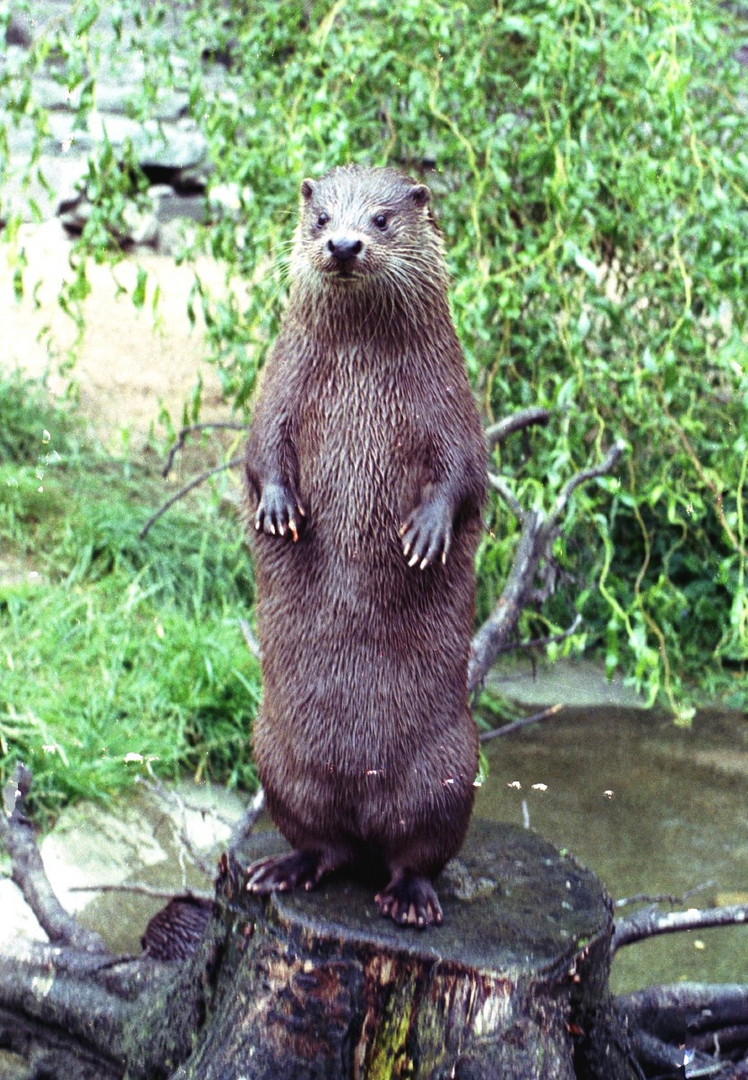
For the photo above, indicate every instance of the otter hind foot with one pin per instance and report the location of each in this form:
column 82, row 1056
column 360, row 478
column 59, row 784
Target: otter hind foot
column 410, row 900
column 282, row 873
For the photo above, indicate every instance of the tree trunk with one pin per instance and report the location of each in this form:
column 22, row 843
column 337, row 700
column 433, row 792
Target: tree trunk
column 513, row 985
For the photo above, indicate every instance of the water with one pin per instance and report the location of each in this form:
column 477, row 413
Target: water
column 651, row 809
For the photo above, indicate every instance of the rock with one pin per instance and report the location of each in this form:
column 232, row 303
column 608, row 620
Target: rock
column 19, row 29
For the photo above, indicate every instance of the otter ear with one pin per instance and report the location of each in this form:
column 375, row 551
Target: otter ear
column 420, row 194
column 307, row 189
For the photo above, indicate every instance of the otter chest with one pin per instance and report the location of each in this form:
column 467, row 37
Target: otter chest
column 360, row 444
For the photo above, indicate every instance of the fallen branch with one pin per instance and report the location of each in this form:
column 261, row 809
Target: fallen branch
column 525, row 721
column 647, row 924
column 696, row 1007
column 663, row 898
column 172, row 799
column 137, row 888
column 27, row 871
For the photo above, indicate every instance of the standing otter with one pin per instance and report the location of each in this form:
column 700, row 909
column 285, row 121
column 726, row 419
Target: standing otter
column 366, row 468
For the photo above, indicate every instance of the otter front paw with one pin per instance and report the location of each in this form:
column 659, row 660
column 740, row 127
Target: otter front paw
column 427, row 533
column 279, row 510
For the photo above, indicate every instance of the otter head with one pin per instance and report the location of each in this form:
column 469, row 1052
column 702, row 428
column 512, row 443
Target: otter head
column 360, row 227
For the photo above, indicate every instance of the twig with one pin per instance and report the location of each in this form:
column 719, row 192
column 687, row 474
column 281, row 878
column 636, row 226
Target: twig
column 582, row 477
column 138, row 889
column 644, row 898
column 552, row 639
column 249, row 639
column 190, row 430
column 525, row 721
column 185, row 491
column 30, row 876
column 511, row 500
column 647, row 924
column 516, row 422
column 172, row 799
column 247, row 821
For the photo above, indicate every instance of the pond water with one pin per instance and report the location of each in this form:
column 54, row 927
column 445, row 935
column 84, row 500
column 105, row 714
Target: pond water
column 649, row 807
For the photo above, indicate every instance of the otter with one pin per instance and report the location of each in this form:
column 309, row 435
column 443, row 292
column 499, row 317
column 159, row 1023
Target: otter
column 366, row 472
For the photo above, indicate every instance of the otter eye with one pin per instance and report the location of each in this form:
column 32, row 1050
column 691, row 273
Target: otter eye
column 381, row 221
column 323, row 219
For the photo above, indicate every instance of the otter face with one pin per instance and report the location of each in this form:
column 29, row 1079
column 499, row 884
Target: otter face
column 356, row 224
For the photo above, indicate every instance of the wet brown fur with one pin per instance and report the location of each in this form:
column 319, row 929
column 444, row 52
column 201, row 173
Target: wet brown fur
column 366, row 445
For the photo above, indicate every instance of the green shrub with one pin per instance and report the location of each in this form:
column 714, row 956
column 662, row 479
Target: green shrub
column 114, row 650
column 588, row 161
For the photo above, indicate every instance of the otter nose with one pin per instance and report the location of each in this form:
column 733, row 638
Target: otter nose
column 344, row 248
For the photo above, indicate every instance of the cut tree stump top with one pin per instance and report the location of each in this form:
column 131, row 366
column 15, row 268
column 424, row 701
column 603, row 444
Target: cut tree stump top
column 512, row 903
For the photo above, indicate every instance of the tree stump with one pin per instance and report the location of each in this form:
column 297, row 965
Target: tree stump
column 513, row 985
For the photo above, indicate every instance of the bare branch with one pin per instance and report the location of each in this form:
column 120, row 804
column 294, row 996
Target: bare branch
column 172, row 799
column 30, row 876
column 552, row 639
column 137, row 888
column 516, row 422
column 246, row 822
column 191, row 429
column 582, row 477
column 515, row 725
column 494, row 635
column 664, row 898
column 185, row 490
column 500, row 485
column 249, row 639
column 646, row 924
column 701, row 1005
column 535, row 542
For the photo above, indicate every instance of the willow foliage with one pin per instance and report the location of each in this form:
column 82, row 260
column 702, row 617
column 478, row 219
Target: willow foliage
column 588, row 160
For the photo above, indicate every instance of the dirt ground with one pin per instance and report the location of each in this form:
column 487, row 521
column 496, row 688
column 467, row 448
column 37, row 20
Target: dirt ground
column 128, row 366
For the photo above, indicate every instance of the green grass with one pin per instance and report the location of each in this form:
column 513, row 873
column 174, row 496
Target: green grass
column 114, row 650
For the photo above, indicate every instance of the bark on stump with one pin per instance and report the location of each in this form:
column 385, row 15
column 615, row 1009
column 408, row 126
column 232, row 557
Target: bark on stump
column 513, row 985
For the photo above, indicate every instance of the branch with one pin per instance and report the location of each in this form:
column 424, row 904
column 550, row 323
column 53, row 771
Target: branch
column 515, row 725
column 646, row 924
column 678, row 1061
column 246, row 822
column 701, row 1006
column 663, row 898
column 535, row 541
column 249, row 639
column 190, row 430
column 511, row 500
column 516, row 422
column 137, row 888
column 185, row 491
column 582, row 477
column 171, row 799
column 27, row 871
